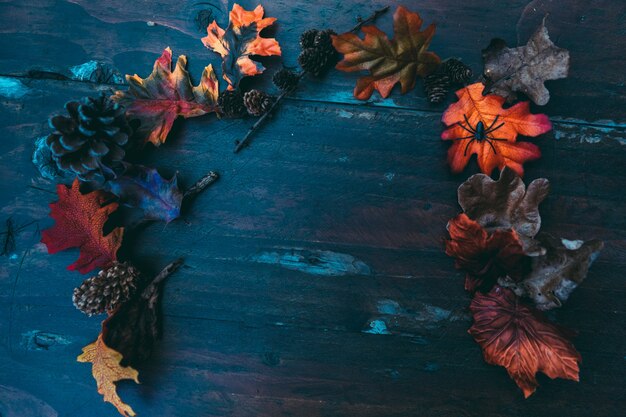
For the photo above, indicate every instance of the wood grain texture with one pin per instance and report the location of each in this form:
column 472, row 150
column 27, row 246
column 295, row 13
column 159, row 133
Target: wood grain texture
column 315, row 281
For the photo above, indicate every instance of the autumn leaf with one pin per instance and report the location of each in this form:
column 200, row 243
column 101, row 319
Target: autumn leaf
column 484, row 256
column 241, row 40
column 479, row 125
column 520, row 339
column 164, row 95
column 106, row 370
column 79, row 221
column 555, row 275
column 399, row 60
column 144, row 188
column 525, row 68
column 506, row 204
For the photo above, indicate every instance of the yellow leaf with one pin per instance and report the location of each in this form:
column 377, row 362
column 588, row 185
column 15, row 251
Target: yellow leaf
column 106, row 371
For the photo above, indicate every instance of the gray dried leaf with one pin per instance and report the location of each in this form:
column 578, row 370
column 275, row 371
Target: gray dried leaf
column 506, row 204
column 554, row 276
column 524, row 68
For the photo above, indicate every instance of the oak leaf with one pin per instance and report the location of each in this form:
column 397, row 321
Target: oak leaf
column 79, row 221
column 484, row 256
column 555, row 275
column 106, row 370
column 144, row 188
column 525, row 68
column 479, row 125
column 519, row 338
column 241, row 40
column 164, row 95
column 506, row 204
column 399, row 60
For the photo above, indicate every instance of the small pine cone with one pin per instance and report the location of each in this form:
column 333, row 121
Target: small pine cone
column 104, row 292
column 231, row 104
column 314, row 61
column 324, row 41
column 436, row 86
column 458, row 72
column 285, row 80
column 258, row 102
column 307, row 39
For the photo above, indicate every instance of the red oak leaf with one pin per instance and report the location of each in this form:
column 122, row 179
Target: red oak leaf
column 479, row 125
column 519, row 338
column 240, row 40
column 485, row 257
column 79, row 219
column 165, row 94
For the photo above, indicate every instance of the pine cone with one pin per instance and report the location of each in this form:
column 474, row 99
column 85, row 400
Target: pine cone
column 436, row 86
column 314, row 61
column 458, row 72
column 307, row 39
column 285, row 80
column 104, row 292
column 258, row 102
column 231, row 104
column 90, row 142
column 324, row 41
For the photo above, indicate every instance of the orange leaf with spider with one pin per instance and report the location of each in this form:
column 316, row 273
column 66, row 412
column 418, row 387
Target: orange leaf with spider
column 479, row 125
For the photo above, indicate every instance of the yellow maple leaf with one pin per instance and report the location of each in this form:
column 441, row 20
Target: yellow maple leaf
column 106, row 370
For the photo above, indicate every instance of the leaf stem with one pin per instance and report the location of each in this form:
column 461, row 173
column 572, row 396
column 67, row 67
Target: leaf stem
column 240, row 144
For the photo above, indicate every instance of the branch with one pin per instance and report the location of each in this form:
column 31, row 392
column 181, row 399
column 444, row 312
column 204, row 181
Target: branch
column 201, row 184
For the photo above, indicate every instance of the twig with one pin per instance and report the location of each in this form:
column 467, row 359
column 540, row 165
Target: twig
column 240, row 144
column 9, row 240
column 149, row 292
column 201, row 184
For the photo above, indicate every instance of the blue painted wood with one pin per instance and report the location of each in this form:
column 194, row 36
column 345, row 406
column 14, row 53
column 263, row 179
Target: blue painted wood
column 315, row 281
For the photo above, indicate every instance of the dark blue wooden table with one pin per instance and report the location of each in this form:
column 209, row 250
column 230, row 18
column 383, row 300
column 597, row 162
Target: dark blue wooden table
column 315, row 282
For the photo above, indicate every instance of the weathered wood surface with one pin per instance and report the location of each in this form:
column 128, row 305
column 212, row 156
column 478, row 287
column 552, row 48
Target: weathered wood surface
column 315, row 281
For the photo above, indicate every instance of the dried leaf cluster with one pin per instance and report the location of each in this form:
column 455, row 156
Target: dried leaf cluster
column 514, row 272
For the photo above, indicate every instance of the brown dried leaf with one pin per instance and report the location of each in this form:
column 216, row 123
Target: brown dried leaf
column 556, row 274
column 506, row 204
column 524, row 68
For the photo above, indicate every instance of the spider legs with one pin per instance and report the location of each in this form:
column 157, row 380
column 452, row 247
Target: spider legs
column 472, row 131
column 467, row 146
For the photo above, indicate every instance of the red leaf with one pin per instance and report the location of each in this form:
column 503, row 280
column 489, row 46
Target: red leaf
column 79, row 222
column 519, row 338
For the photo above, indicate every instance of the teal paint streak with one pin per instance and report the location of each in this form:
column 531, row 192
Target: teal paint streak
column 323, row 263
column 12, row 88
column 377, row 327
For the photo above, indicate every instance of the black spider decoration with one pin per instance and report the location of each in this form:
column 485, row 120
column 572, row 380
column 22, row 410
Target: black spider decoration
column 479, row 133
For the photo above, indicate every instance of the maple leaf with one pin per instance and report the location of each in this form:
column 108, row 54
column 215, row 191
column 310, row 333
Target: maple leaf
column 484, row 256
column 525, row 68
column 79, row 220
column 144, row 188
column 164, row 95
column 400, row 60
column 497, row 147
column 506, row 204
column 239, row 41
column 519, row 338
column 554, row 276
column 106, row 370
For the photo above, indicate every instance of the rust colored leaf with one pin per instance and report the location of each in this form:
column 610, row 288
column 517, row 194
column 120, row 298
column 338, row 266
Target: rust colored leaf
column 519, row 338
column 79, row 221
column 525, row 68
column 484, row 256
column 479, row 125
column 106, row 370
column 164, row 95
column 241, row 40
column 506, row 204
column 399, row 60
column 555, row 275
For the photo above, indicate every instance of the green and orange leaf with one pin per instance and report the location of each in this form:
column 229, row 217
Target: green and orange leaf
column 239, row 41
column 492, row 154
column 399, row 60
column 165, row 94
column 79, row 221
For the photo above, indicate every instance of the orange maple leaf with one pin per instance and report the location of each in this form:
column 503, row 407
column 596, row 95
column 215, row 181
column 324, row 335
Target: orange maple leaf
column 519, row 338
column 239, row 41
column 479, row 125
column 400, row 60
column 106, row 370
column 79, row 221
column 164, row 95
